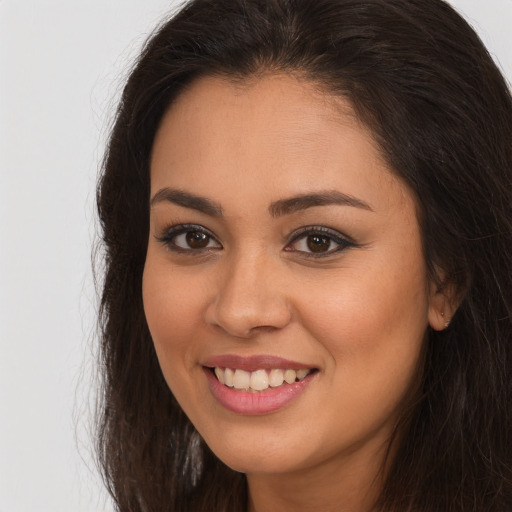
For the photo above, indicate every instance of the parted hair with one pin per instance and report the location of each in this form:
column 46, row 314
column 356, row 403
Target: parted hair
column 419, row 77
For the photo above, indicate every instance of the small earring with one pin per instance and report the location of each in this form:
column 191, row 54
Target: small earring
column 446, row 322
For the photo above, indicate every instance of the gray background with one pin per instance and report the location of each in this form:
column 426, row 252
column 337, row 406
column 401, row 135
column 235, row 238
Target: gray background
column 61, row 69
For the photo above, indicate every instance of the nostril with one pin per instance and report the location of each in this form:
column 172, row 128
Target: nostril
column 246, row 318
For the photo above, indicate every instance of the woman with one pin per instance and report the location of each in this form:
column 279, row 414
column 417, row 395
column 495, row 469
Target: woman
column 307, row 222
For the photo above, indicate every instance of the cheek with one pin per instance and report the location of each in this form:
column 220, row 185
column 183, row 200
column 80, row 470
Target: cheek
column 382, row 297
column 372, row 325
column 172, row 307
column 374, row 349
column 343, row 313
column 173, row 312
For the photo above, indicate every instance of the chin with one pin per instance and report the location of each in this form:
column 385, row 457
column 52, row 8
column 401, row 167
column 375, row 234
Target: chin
column 259, row 463
column 268, row 455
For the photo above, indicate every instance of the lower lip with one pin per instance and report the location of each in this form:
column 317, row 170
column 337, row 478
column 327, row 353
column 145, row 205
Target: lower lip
column 262, row 402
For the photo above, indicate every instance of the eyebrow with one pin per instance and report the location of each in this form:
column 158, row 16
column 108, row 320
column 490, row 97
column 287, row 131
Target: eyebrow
column 276, row 209
column 187, row 200
column 324, row 198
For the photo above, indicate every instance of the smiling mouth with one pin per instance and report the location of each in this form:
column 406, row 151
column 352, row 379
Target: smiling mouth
column 259, row 380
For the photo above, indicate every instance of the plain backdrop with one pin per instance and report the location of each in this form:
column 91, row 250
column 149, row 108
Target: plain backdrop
column 62, row 64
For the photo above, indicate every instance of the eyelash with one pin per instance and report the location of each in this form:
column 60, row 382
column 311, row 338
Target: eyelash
column 343, row 242
column 171, row 233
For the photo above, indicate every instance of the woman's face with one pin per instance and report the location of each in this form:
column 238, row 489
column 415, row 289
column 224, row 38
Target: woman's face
column 284, row 253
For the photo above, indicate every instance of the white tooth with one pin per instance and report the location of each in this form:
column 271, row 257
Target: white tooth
column 302, row 373
column 228, row 377
column 290, row 376
column 275, row 378
column 219, row 374
column 259, row 380
column 241, row 379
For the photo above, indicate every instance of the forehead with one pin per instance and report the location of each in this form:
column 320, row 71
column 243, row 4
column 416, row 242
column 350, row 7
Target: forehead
column 279, row 130
column 282, row 104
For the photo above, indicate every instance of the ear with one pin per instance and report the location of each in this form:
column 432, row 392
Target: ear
column 443, row 303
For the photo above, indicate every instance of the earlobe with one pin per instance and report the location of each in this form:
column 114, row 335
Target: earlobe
column 442, row 307
column 438, row 319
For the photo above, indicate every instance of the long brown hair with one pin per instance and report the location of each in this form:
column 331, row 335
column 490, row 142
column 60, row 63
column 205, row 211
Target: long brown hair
column 420, row 78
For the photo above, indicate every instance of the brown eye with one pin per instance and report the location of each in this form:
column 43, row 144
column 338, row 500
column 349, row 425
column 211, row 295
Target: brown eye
column 318, row 243
column 197, row 239
column 189, row 238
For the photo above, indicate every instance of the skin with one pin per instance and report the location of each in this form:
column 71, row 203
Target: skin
column 357, row 314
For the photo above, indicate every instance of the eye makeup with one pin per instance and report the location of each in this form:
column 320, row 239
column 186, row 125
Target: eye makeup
column 309, row 241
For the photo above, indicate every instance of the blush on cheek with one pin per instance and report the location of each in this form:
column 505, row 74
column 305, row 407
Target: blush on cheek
column 380, row 323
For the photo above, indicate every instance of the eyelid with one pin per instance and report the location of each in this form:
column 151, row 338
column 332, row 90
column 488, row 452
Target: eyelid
column 174, row 230
column 340, row 239
column 343, row 241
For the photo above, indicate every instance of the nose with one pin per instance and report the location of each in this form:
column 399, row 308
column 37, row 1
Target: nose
column 250, row 298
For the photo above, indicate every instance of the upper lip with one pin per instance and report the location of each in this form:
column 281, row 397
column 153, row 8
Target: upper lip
column 253, row 363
